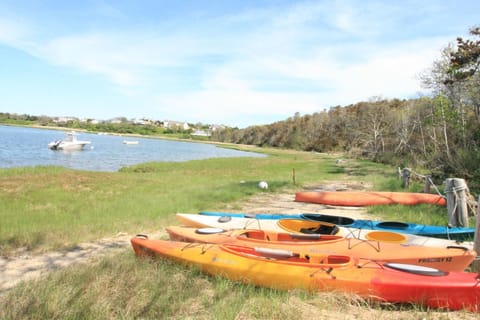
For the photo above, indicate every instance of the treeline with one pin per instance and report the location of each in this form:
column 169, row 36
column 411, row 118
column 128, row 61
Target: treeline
column 440, row 133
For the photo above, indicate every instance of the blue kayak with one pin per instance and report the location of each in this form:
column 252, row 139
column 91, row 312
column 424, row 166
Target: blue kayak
column 445, row 232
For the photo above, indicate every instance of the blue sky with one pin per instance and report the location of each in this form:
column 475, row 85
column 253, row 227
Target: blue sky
column 237, row 63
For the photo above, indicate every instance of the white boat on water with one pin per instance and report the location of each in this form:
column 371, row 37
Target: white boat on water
column 130, row 142
column 69, row 142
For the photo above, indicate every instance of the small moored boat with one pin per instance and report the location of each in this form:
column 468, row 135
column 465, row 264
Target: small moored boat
column 130, row 142
column 69, row 143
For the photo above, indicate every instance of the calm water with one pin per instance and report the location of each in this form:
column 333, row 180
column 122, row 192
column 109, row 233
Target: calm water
column 21, row 147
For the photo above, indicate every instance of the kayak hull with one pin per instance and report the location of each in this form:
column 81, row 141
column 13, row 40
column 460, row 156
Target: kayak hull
column 286, row 270
column 368, row 198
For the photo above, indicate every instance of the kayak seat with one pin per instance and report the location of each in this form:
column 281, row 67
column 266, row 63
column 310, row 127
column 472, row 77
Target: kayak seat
column 304, row 237
column 322, row 229
column 256, row 234
column 316, row 259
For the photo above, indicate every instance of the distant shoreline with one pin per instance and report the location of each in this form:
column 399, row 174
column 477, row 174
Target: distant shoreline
column 242, row 147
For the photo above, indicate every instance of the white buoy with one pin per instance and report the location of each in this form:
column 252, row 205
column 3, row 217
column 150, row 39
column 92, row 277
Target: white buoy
column 263, row 185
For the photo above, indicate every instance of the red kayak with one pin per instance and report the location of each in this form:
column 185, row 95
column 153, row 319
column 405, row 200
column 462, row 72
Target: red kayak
column 368, row 198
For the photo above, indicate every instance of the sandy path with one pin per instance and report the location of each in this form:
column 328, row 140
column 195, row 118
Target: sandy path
column 26, row 266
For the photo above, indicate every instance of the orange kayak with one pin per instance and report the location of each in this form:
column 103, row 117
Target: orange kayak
column 448, row 259
column 368, row 198
column 283, row 269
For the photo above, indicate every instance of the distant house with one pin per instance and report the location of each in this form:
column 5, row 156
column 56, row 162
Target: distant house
column 216, row 127
column 64, row 119
column 116, row 120
column 90, row 121
column 200, row 133
column 167, row 124
column 140, row 121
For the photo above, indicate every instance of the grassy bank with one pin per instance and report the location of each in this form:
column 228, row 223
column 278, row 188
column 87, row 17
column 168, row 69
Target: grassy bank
column 50, row 207
column 45, row 208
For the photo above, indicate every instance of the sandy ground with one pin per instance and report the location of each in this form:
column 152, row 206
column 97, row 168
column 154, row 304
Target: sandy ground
column 25, row 266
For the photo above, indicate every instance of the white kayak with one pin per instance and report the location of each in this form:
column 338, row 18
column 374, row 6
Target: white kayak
column 312, row 227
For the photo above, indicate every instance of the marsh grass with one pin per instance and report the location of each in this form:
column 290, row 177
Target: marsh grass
column 44, row 208
column 422, row 214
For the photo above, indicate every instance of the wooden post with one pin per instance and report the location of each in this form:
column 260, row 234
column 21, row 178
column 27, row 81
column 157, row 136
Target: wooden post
column 406, row 177
column 293, row 176
column 476, row 241
column 462, row 207
column 450, row 200
column 457, row 202
column 426, row 188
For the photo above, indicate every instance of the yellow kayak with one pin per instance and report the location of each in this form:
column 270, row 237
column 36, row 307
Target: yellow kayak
column 284, row 269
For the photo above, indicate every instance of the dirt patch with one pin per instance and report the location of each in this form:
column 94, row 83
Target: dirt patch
column 24, row 265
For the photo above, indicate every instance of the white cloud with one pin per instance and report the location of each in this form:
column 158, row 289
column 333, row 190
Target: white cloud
column 98, row 54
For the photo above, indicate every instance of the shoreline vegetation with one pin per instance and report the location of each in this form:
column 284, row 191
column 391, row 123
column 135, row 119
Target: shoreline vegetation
column 53, row 208
column 133, row 135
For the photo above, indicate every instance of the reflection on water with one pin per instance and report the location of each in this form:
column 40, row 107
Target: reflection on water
column 21, row 147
